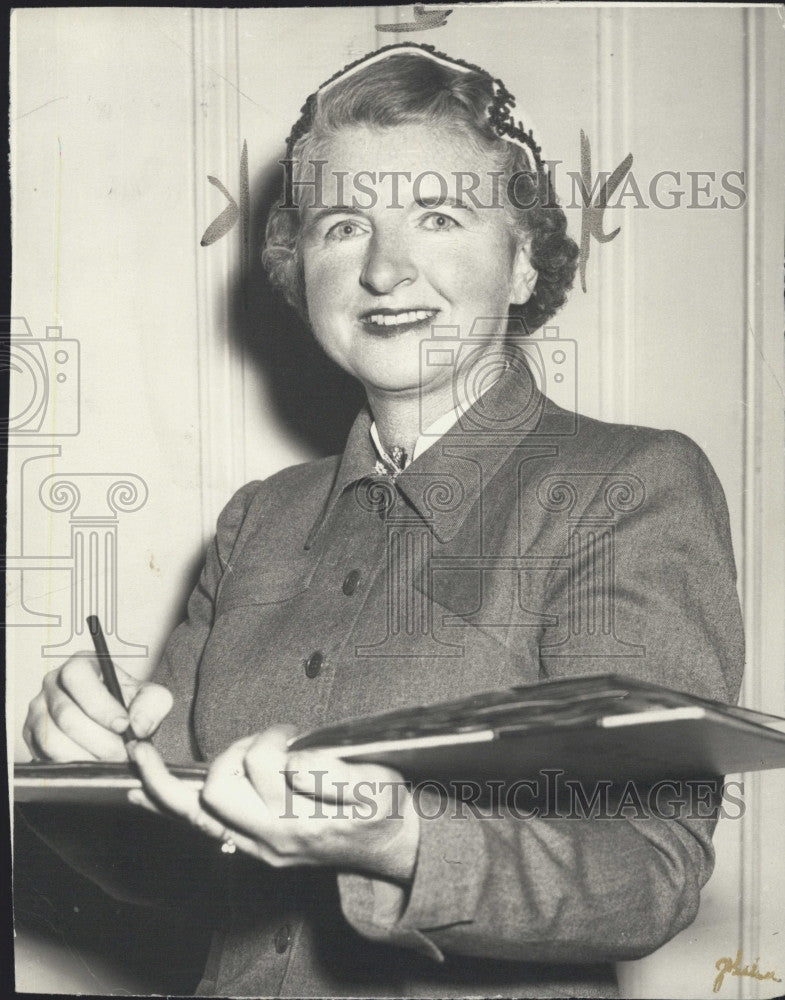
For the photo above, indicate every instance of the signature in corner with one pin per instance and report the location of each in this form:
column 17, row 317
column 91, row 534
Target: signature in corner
column 733, row 967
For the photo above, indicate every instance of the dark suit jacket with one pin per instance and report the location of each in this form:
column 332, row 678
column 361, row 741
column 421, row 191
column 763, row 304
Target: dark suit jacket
column 527, row 543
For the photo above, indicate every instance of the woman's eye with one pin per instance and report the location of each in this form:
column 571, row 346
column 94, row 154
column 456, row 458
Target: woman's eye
column 346, row 230
column 438, row 221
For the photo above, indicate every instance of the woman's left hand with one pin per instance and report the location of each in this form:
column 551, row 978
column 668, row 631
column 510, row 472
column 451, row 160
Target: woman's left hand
column 287, row 809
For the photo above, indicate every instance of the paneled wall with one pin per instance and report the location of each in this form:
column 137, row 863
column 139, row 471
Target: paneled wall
column 184, row 377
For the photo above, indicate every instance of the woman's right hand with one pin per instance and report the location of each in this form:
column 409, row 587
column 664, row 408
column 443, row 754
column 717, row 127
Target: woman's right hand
column 73, row 717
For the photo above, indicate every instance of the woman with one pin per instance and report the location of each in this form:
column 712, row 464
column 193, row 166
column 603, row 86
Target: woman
column 445, row 552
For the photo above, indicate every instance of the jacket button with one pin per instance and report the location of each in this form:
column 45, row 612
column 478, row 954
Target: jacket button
column 282, row 938
column 351, row 582
column 313, row 665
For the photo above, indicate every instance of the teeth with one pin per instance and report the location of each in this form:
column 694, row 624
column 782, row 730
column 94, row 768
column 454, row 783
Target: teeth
column 398, row 319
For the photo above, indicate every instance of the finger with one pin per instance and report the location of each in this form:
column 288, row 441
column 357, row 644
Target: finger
column 80, row 678
column 160, row 785
column 296, row 819
column 36, row 711
column 247, row 790
column 140, row 798
column 217, row 832
column 184, row 802
column 47, row 742
column 275, row 833
column 149, row 707
column 229, row 794
column 266, row 761
column 250, row 824
column 323, row 774
column 65, row 715
column 168, row 794
column 320, row 776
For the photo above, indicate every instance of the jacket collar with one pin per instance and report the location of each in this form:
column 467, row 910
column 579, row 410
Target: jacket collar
column 445, row 482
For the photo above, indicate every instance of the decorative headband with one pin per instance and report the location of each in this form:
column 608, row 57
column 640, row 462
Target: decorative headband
column 499, row 116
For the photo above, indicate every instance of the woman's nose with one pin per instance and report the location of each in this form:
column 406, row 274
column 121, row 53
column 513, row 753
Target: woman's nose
column 388, row 263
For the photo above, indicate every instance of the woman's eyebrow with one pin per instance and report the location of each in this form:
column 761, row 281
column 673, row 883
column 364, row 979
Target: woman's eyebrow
column 437, row 201
column 316, row 215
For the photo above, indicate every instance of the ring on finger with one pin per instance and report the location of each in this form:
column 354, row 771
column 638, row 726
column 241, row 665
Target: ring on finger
column 207, row 825
column 228, row 845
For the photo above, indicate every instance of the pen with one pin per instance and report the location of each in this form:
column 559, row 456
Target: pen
column 107, row 667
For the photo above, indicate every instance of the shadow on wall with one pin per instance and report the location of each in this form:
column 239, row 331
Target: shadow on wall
column 310, row 394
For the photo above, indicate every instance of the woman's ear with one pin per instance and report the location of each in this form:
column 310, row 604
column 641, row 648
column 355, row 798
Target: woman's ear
column 524, row 275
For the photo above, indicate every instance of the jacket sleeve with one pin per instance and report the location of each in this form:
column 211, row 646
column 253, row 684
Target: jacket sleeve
column 179, row 665
column 133, row 856
column 592, row 889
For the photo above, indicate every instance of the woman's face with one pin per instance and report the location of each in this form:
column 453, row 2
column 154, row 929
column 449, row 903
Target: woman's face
column 384, row 265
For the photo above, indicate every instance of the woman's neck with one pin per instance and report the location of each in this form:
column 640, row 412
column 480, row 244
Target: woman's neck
column 400, row 421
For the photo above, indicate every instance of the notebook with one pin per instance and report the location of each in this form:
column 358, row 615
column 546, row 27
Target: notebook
column 604, row 727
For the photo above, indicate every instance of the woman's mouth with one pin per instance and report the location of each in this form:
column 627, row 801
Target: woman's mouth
column 388, row 322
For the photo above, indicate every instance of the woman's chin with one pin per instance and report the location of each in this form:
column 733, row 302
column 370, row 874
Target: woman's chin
column 396, row 384
column 396, row 374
